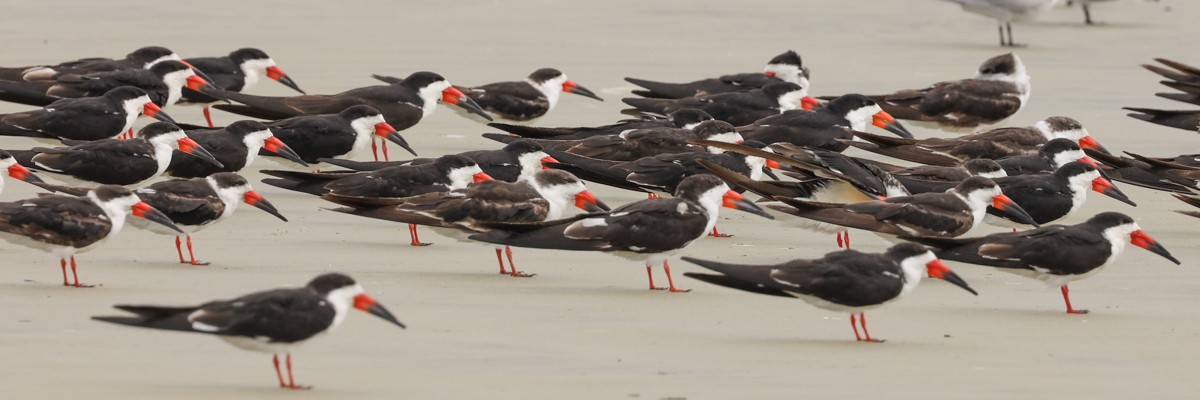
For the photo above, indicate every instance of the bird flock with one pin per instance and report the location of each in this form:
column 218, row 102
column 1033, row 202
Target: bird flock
column 693, row 148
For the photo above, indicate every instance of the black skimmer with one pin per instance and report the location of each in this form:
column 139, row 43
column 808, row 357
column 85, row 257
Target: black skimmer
column 738, row 108
column 142, row 58
column 87, row 118
column 994, row 144
column 1182, row 77
column 515, row 161
column 678, row 222
column 403, row 104
column 164, row 83
column 824, row 126
column 948, row 214
column 444, row 174
column 525, row 100
column 236, row 72
column 1162, row 174
column 933, row 178
column 66, row 225
column 341, row 135
column 235, row 147
column 15, row 170
column 1188, row 120
column 1054, row 254
column 273, row 321
column 463, row 212
column 662, row 173
column 1052, row 155
column 999, row 89
column 1050, row 197
column 638, row 143
column 844, row 281
column 115, row 161
column 685, row 118
column 785, row 67
column 1005, row 12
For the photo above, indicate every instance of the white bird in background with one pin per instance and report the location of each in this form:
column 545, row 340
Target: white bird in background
column 1087, row 12
column 1006, row 12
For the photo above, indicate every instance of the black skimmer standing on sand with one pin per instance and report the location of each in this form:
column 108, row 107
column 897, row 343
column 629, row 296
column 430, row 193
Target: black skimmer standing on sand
column 115, row 161
column 844, row 281
column 236, row 72
column 195, row 204
column 1054, row 254
column 164, row 83
column 463, row 212
column 515, row 161
column 948, row 214
column 1050, row 197
column 525, row 100
column 678, row 222
column 999, row 89
column 785, row 67
column 639, row 143
column 341, row 135
column 85, row 118
column 235, row 147
column 994, row 144
column 273, row 321
column 685, row 118
column 824, row 126
column 403, row 104
column 738, row 108
column 142, row 58
column 444, row 174
column 1005, row 12
column 66, row 225
column 15, row 170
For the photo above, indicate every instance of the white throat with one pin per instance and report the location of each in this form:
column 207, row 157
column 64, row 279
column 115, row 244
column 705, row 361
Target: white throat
column 431, row 94
column 552, row 89
column 254, row 70
column 133, row 109
column 175, row 82
column 254, row 141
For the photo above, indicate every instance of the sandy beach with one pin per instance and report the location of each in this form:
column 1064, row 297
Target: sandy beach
column 585, row 327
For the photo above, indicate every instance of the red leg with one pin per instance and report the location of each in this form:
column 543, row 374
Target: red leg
column 513, row 267
column 862, row 319
column 718, row 234
column 500, row 259
column 292, row 380
column 385, row 153
column 671, row 282
column 847, row 233
column 853, row 321
column 76, row 275
column 208, row 116
column 1067, row 298
column 650, row 276
column 651, row 196
column 129, row 135
column 179, row 249
column 839, row 240
column 412, row 232
column 63, row 262
column 279, row 373
column 191, row 254
column 374, row 149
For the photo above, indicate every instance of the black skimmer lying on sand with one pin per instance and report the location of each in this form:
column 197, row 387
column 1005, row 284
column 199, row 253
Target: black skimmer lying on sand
column 685, row 118
column 786, row 67
column 515, row 161
column 341, row 135
column 826, row 126
column 236, row 72
column 738, row 108
column 676, row 222
column 994, row 144
column 525, row 100
column 85, row 118
column 164, row 83
column 115, row 161
column 235, row 147
column 638, row 143
column 1055, row 254
column 272, row 321
column 66, row 225
column 1051, row 197
column 845, row 280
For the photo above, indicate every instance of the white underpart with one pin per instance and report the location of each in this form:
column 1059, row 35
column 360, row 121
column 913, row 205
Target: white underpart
column 788, row 73
column 792, row 100
column 255, row 141
column 364, row 131
column 463, row 176
column 712, row 201
column 1117, row 236
column 430, row 96
column 560, row 197
column 168, row 57
column 552, row 89
column 133, row 109
column 914, row 269
column 164, row 146
column 254, row 70
column 231, row 196
column 116, row 210
column 860, row 117
column 4, row 164
column 175, row 82
column 756, row 165
column 978, row 201
column 530, row 164
column 726, row 137
column 1067, row 156
column 1080, row 185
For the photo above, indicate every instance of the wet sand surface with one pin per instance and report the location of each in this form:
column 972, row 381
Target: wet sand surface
column 585, row 327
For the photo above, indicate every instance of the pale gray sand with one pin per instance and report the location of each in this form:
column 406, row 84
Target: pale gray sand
column 585, row 327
